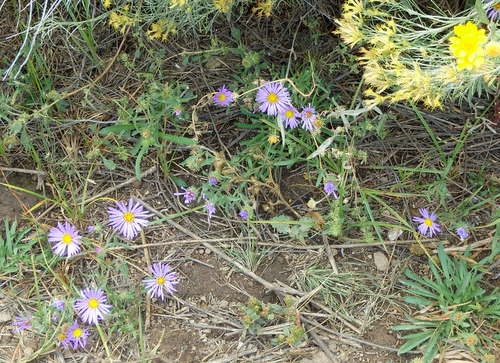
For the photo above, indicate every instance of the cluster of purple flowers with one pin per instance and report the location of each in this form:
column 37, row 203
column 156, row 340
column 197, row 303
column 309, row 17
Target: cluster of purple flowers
column 90, row 308
column 189, row 196
column 274, row 99
column 429, row 227
column 126, row 219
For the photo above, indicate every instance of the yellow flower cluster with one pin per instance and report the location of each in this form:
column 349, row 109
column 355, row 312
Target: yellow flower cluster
column 403, row 64
column 492, row 49
column 467, row 46
column 223, row 5
column 263, row 8
column 177, row 3
column 273, row 139
column 106, row 4
column 351, row 22
column 161, row 30
column 119, row 20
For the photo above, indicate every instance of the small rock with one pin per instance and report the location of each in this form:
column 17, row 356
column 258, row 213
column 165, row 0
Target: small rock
column 208, row 251
column 394, row 233
column 381, row 262
column 318, row 357
column 5, row 316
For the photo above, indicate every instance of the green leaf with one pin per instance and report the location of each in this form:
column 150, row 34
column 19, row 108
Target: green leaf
column 236, row 34
column 431, row 348
column 177, row 139
column 481, row 13
column 415, row 300
column 118, row 129
column 109, row 164
column 138, row 160
column 281, row 226
column 415, row 341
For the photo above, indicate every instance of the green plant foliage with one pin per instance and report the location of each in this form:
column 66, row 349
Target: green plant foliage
column 258, row 316
column 458, row 301
column 143, row 124
column 15, row 250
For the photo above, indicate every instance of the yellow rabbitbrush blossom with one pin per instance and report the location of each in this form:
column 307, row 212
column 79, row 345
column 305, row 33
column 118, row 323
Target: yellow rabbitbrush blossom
column 349, row 30
column 492, row 49
column 120, row 20
column 352, row 7
column 263, row 8
column 448, row 74
column 467, row 46
column 177, row 3
column 161, row 30
column 223, row 5
column 106, row 3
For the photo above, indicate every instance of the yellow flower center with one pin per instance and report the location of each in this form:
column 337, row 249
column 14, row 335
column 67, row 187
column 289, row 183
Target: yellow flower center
column 273, row 139
column 318, row 123
column 93, row 303
column 77, row 333
column 289, row 114
column 497, row 6
column 160, row 280
column 66, row 238
column 221, row 97
column 308, row 114
column 61, row 336
column 128, row 217
column 428, row 222
column 272, row 98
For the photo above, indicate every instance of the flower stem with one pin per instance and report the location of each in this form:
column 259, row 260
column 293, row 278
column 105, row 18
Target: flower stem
column 104, row 340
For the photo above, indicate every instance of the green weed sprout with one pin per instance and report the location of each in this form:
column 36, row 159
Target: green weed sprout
column 13, row 251
column 282, row 322
column 453, row 305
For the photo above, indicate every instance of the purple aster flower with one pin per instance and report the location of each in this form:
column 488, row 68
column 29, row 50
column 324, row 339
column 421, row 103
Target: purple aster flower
column 128, row 220
column 22, row 323
column 243, row 214
column 163, row 279
column 63, row 338
column 188, row 195
column 223, row 96
column 212, row 180
column 210, row 209
column 273, row 98
column 177, row 111
column 77, row 336
column 92, row 306
column 289, row 115
column 330, row 188
column 463, row 233
column 65, row 238
column 493, row 12
column 58, row 304
column 428, row 225
column 308, row 116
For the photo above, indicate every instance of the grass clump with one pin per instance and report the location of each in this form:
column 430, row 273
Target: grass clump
column 454, row 307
